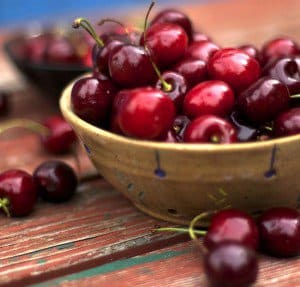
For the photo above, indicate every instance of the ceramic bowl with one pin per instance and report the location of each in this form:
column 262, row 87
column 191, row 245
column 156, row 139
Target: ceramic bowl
column 175, row 182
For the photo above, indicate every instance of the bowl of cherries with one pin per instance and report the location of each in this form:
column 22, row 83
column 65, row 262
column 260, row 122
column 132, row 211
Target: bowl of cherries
column 181, row 125
column 50, row 59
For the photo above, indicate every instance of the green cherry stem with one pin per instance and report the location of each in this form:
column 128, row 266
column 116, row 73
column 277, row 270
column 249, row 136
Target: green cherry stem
column 179, row 229
column 4, row 203
column 297, row 96
column 86, row 25
column 194, row 221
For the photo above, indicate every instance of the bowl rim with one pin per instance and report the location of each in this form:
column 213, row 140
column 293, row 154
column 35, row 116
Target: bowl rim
column 65, row 106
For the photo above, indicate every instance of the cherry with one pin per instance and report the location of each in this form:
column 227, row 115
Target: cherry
column 234, row 67
column 252, row 51
column 18, row 192
column 60, row 137
column 178, row 87
column 279, row 47
column 202, row 50
column 231, row 264
column 279, row 230
column 232, row 225
column 209, row 97
column 130, row 66
column 91, row 99
column 55, row 180
column 264, row 100
column 4, row 103
column 166, row 42
column 287, row 123
column 210, row 129
column 193, row 70
column 146, row 121
column 176, row 17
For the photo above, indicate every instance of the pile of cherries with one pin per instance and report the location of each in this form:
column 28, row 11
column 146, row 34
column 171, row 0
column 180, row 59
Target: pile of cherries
column 52, row 180
column 234, row 237
column 170, row 83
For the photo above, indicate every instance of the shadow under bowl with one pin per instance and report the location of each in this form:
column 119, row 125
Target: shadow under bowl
column 175, row 182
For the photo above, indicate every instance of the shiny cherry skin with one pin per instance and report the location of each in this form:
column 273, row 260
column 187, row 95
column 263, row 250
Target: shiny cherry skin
column 4, row 103
column 209, row 98
column 146, row 121
column 176, row 17
column 235, row 67
column 202, row 50
column 286, row 70
column 17, row 192
column 231, row 264
column 130, row 66
column 279, row 47
column 232, row 225
column 252, row 51
column 91, row 99
column 166, row 42
column 178, row 87
column 61, row 136
column 279, row 230
column 264, row 100
column 287, row 123
column 210, row 129
column 56, row 181
column 193, row 70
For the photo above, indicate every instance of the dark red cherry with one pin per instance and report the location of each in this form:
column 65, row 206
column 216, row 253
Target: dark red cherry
column 193, row 70
column 252, row 51
column 264, row 100
column 4, row 103
column 18, row 192
column 55, row 180
column 202, row 50
column 91, row 99
column 279, row 47
column 231, row 264
column 147, row 113
column 279, row 230
column 176, row 17
column 166, row 42
column 60, row 137
column 210, row 129
column 209, row 98
column 287, row 123
column 178, row 87
column 232, row 225
column 234, row 67
column 130, row 66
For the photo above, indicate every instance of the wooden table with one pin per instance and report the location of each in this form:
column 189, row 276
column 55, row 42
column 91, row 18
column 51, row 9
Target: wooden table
column 99, row 238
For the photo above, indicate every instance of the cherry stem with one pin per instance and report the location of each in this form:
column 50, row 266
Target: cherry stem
column 195, row 221
column 4, row 203
column 297, row 96
column 25, row 123
column 86, row 25
column 215, row 139
column 165, row 85
column 179, row 229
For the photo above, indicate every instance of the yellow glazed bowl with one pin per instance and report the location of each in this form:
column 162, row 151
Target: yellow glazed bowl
column 175, row 182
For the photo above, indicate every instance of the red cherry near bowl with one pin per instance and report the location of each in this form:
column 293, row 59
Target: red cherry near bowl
column 287, row 123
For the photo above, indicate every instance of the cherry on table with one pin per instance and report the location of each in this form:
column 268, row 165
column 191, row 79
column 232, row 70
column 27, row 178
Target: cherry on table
column 202, row 50
column 287, row 123
column 56, row 181
column 279, row 230
column 18, row 193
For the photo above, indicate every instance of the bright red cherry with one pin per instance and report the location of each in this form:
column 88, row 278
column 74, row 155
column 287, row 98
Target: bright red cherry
column 91, row 99
column 146, row 121
column 232, row 225
column 209, row 98
column 18, row 192
column 231, row 264
column 202, row 50
column 193, row 70
column 279, row 230
column 60, row 137
column 264, row 100
column 166, row 42
column 251, row 51
column 279, row 47
column 234, row 67
column 130, row 66
column 176, row 17
column 287, row 123
column 55, row 180
column 210, row 129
